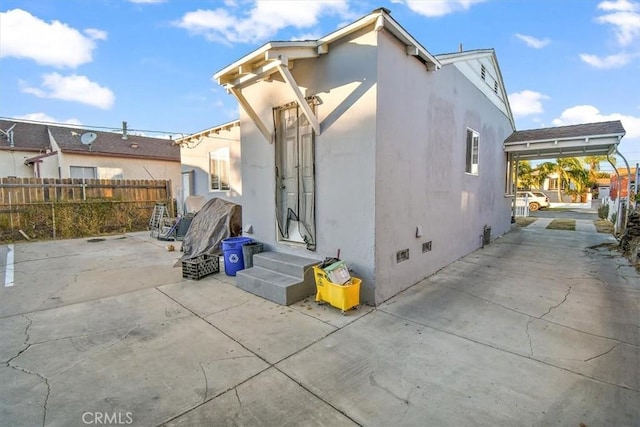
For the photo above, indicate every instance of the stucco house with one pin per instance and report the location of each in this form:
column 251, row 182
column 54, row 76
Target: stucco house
column 211, row 163
column 36, row 150
column 364, row 143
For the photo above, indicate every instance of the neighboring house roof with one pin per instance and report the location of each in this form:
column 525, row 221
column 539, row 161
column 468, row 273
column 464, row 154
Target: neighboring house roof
column 28, row 136
column 208, row 132
column 590, row 139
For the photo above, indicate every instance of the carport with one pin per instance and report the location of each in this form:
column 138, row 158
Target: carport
column 590, row 139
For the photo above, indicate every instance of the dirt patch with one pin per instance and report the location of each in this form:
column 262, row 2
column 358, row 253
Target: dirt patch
column 603, row 226
column 524, row 221
column 562, row 224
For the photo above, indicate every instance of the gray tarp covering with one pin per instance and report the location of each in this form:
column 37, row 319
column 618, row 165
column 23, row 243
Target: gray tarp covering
column 217, row 220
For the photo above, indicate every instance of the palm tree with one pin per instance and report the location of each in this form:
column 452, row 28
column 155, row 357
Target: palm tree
column 565, row 168
column 594, row 166
column 526, row 178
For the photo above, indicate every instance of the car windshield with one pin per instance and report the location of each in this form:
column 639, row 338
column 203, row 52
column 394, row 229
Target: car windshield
column 538, row 194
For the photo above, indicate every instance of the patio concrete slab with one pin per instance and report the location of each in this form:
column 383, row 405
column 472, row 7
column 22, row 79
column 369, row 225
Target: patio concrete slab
column 138, row 353
column 271, row 331
column 538, row 328
column 270, row 399
column 385, row 370
column 85, row 270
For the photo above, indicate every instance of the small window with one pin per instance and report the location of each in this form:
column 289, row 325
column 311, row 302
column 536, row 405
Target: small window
column 554, row 182
column 483, row 72
column 219, row 170
column 473, row 139
column 82, row 172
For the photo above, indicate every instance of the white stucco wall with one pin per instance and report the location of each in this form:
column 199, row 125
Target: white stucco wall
column 420, row 163
column 344, row 80
column 12, row 163
column 131, row 168
column 194, row 156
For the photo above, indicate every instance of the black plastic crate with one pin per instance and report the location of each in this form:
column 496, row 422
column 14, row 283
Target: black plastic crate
column 202, row 265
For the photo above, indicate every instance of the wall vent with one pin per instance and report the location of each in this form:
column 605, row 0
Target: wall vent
column 483, row 72
column 402, row 255
column 426, row 246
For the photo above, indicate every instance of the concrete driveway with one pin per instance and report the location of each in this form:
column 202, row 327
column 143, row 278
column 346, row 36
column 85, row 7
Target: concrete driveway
column 542, row 327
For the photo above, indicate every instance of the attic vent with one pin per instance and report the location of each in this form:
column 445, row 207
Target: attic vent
column 495, row 87
column 483, row 72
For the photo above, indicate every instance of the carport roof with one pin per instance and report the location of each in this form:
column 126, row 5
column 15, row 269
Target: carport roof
column 590, row 139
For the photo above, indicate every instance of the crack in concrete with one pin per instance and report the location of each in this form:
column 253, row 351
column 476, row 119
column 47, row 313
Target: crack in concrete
column 26, row 340
column 529, row 336
column 101, row 350
column 603, row 354
column 374, row 383
column 206, row 383
column 559, row 304
column 235, row 389
column 46, row 382
column 225, row 309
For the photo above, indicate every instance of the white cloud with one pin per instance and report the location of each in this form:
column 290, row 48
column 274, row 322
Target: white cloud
column 590, row 114
column 625, row 17
column 607, row 62
column 619, row 5
column 436, row 8
column 23, row 35
column 526, row 103
column 43, row 117
column 95, row 34
column 147, row 1
column 73, row 88
column 260, row 22
column 533, row 42
column 306, row 36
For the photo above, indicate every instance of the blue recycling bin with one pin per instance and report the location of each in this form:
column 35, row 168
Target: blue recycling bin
column 232, row 252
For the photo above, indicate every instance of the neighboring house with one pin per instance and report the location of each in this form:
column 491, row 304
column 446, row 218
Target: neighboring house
column 211, row 163
column 619, row 186
column 51, row 151
column 364, row 143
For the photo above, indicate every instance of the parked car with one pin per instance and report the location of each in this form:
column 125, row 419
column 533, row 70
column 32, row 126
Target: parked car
column 536, row 199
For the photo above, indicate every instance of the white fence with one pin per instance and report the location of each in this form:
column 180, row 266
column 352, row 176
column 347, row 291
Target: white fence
column 522, row 207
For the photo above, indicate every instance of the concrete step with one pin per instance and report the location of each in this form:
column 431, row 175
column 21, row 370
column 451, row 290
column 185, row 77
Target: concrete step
column 291, row 265
column 274, row 286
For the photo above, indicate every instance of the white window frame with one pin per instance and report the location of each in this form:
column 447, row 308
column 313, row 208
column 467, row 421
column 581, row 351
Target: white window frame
column 83, row 169
column 221, row 159
column 472, row 152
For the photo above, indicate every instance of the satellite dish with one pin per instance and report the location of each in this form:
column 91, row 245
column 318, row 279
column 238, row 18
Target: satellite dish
column 88, row 137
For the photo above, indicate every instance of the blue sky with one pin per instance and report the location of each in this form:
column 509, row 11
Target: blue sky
column 150, row 62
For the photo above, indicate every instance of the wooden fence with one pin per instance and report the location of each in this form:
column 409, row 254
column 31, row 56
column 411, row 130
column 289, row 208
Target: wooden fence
column 34, row 190
column 42, row 208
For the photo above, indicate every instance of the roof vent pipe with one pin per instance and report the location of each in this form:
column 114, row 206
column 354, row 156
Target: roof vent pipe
column 460, row 47
column 124, row 130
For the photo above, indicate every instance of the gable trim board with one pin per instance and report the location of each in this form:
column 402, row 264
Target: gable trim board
column 279, row 57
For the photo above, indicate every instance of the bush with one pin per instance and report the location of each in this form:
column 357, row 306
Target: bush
column 603, row 211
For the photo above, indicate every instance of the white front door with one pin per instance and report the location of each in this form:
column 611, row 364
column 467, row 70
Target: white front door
column 295, row 177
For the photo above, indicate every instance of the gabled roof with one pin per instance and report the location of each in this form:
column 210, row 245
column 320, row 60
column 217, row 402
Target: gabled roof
column 26, row 136
column 481, row 68
column 208, row 132
column 258, row 63
column 30, row 136
column 590, row 139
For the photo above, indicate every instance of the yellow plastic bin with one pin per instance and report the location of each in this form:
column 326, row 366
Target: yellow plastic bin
column 345, row 297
